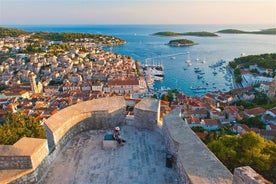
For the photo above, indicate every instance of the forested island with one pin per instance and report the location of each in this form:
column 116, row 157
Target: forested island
column 181, row 43
column 167, row 33
column 236, row 31
column 201, row 33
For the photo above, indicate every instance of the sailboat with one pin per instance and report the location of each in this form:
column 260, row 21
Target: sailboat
column 197, row 59
column 204, row 60
column 188, row 61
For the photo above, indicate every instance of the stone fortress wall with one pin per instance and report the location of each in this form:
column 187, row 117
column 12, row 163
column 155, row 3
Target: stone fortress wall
column 27, row 160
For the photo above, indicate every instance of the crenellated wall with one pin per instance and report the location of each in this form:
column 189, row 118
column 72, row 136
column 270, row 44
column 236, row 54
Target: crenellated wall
column 27, row 159
column 194, row 162
column 147, row 113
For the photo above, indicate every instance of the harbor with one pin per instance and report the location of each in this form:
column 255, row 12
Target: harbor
column 201, row 75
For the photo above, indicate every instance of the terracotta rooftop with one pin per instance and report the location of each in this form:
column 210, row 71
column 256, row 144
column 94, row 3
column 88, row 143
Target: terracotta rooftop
column 133, row 81
column 255, row 111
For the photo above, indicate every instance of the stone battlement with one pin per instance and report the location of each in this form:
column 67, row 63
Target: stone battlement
column 27, row 160
column 195, row 163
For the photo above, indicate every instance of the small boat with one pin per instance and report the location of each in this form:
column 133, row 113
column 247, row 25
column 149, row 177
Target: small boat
column 173, row 57
column 199, row 76
column 197, row 69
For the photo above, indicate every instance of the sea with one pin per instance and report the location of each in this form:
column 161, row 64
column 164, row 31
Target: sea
column 144, row 47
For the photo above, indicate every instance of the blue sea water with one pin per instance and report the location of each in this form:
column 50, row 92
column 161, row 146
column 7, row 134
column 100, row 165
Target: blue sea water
column 141, row 45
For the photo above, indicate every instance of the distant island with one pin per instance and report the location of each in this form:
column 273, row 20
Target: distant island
column 201, row 33
column 169, row 33
column 271, row 31
column 181, row 43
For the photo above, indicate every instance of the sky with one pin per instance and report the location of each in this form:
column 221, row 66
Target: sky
column 31, row 12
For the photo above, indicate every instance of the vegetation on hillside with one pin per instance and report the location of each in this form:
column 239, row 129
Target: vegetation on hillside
column 64, row 37
column 236, row 31
column 264, row 60
column 201, row 33
column 181, row 42
column 20, row 125
column 70, row 37
column 249, row 149
column 167, row 33
column 11, row 32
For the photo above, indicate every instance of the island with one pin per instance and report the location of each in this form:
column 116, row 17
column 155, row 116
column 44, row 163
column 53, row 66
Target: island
column 167, row 33
column 271, row 31
column 181, row 43
column 200, row 33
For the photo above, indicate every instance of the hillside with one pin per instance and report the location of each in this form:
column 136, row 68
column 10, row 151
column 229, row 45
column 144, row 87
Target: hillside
column 263, row 60
column 64, row 37
column 71, row 37
column 167, row 33
column 10, row 32
column 236, row 31
column 200, row 33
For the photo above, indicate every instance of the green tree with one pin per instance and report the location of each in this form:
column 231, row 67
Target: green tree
column 164, row 98
column 253, row 122
column 197, row 129
column 20, row 125
column 248, row 149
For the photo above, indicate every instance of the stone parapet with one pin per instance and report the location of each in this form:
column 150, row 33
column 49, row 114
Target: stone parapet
column 194, row 162
column 248, row 175
column 95, row 114
column 146, row 113
column 27, row 159
column 24, row 154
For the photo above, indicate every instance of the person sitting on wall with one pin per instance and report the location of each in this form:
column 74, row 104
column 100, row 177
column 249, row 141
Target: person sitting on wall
column 117, row 135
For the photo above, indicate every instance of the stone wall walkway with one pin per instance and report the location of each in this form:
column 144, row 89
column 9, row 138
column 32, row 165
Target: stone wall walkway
column 142, row 160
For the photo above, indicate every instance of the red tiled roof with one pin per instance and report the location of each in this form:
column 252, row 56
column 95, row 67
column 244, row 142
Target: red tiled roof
column 123, row 82
column 231, row 109
column 192, row 120
column 210, row 122
column 272, row 126
column 201, row 135
column 255, row 111
column 268, row 132
column 273, row 110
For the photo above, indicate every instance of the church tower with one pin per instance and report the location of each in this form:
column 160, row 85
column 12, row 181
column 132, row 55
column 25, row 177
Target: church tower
column 32, row 77
column 272, row 90
column 36, row 88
